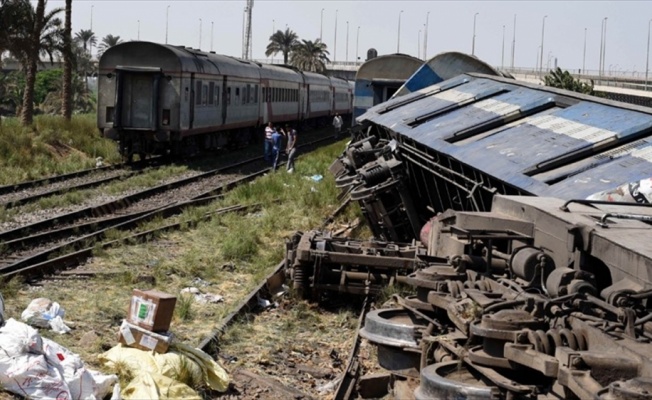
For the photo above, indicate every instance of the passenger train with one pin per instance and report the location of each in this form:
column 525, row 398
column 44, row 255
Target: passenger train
column 158, row 98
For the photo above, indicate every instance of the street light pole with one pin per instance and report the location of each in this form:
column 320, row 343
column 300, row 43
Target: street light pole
column 473, row 43
column 211, row 35
column 419, row 45
column 502, row 57
column 425, row 38
column 584, row 57
column 347, row 41
column 321, row 26
column 138, row 29
column 514, row 41
column 91, row 44
column 398, row 41
column 603, row 39
column 357, row 42
column 335, row 45
column 200, row 22
column 647, row 57
column 604, row 44
column 543, row 29
column 167, row 14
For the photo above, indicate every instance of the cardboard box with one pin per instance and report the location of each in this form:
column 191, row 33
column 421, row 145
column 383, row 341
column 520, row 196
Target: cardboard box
column 139, row 338
column 151, row 309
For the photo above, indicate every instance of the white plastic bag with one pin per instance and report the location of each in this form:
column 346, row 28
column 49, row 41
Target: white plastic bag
column 36, row 367
column 43, row 313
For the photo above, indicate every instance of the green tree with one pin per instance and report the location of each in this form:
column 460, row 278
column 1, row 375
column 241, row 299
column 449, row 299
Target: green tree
column 108, row 41
column 66, row 110
column 310, row 56
column 86, row 38
column 564, row 80
column 39, row 34
column 282, row 42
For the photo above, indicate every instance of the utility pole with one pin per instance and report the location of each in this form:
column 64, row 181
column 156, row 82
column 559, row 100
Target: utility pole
column 335, row 45
column 91, row 44
column 398, row 41
column 247, row 45
column 543, row 30
column 425, row 38
column 473, row 42
column 513, row 41
column 321, row 26
column 200, row 21
column 647, row 57
column 502, row 58
column 357, row 42
column 347, row 41
column 584, row 57
column 167, row 15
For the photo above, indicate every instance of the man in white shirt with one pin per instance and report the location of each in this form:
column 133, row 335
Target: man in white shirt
column 337, row 124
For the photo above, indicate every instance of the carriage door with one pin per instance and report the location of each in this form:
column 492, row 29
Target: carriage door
column 137, row 95
column 224, row 100
column 191, row 102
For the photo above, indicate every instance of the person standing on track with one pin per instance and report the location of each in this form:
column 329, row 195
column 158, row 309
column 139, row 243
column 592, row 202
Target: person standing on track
column 269, row 131
column 337, row 124
column 277, row 140
column 291, row 148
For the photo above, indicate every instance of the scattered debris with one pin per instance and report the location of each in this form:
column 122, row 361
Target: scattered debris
column 43, row 313
column 37, row 367
column 203, row 298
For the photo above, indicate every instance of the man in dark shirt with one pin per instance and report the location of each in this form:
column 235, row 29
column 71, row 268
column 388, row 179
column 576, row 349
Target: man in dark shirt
column 277, row 140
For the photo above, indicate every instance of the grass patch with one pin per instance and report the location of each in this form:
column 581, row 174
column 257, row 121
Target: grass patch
column 51, row 146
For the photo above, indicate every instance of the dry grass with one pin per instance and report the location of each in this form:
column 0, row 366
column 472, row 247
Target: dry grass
column 227, row 255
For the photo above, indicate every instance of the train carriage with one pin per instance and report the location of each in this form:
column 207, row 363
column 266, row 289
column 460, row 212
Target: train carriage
column 159, row 99
column 342, row 95
column 281, row 87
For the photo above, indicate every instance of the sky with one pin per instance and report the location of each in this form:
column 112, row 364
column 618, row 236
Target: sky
column 450, row 27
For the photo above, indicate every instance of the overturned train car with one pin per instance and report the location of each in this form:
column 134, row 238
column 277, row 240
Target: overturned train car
column 476, row 190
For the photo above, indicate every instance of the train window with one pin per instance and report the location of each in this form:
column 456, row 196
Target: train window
column 109, row 114
column 255, row 93
column 228, row 96
column 211, row 93
column 244, row 95
column 204, row 95
column 198, row 93
column 217, row 95
column 237, row 95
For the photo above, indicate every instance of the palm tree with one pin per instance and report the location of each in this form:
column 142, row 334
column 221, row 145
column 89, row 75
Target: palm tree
column 44, row 38
column 14, row 20
column 282, row 42
column 564, row 80
column 108, row 41
column 86, row 38
column 67, row 66
column 310, row 56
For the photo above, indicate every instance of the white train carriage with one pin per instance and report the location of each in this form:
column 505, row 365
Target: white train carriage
column 342, row 95
column 319, row 96
column 157, row 98
column 280, row 93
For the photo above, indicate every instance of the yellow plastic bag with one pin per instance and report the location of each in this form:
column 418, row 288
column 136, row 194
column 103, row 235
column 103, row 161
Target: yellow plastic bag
column 157, row 387
column 182, row 364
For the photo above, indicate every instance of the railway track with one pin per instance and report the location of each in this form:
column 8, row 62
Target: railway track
column 66, row 240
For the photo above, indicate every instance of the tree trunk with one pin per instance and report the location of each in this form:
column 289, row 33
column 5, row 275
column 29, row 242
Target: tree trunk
column 67, row 67
column 27, row 116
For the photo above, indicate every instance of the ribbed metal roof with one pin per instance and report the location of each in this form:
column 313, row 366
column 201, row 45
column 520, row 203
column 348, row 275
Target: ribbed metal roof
column 544, row 141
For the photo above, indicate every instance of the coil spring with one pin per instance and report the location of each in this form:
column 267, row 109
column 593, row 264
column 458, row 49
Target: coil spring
column 546, row 342
column 300, row 276
column 375, row 175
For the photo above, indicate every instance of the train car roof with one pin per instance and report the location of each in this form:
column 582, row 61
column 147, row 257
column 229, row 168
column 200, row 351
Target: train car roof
column 313, row 78
column 339, row 82
column 280, row 72
column 545, row 141
column 175, row 59
column 396, row 67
